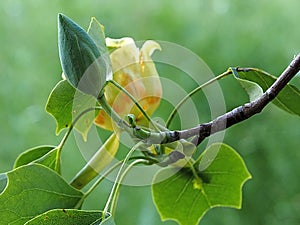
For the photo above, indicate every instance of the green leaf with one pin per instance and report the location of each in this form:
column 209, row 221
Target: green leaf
column 65, row 104
column 184, row 196
column 67, row 217
column 60, row 104
column 32, row 190
column 3, row 181
column 32, row 154
column 288, row 99
column 80, row 58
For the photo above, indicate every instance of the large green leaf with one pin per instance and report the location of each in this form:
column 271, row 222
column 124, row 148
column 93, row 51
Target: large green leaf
column 67, row 217
column 80, row 57
column 32, row 190
column 185, row 197
column 65, row 104
column 288, row 99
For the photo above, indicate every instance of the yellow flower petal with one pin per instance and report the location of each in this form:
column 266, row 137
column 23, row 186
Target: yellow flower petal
column 135, row 71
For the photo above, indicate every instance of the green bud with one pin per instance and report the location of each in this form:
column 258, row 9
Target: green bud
column 81, row 61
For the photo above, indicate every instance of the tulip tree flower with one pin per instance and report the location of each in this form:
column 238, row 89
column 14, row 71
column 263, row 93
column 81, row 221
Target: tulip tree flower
column 134, row 70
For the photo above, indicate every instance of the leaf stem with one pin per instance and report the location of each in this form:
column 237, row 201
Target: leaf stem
column 175, row 110
column 67, row 134
column 117, row 190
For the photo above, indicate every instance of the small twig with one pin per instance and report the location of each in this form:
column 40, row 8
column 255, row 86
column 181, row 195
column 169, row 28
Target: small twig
column 196, row 90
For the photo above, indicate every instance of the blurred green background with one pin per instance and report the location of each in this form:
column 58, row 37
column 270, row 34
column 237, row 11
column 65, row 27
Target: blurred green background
column 258, row 33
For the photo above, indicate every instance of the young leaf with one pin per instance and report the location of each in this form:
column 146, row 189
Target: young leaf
column 185, row 197
column 32, row 190
column 80, row 58
column 65, row 104
column 67, row 217
column 32, row 154
column 288, row 99
column 96, row 32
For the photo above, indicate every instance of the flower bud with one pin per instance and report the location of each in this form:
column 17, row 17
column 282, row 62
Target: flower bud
column 81, row 61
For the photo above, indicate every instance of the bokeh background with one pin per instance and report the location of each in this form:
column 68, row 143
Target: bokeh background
column 258, row 33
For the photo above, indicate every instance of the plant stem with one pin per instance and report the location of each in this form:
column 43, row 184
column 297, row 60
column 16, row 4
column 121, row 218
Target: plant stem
column 112, row 193
column 115, row 117
column 117, row 190
column 135, row 132
column 92, row 188
column 64, row 139
column 175, row 110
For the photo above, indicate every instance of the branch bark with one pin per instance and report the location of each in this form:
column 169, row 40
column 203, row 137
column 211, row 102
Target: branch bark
column 243, row 112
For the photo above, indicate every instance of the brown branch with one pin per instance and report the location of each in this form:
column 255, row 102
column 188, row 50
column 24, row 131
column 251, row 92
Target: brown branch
column 240, row 113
